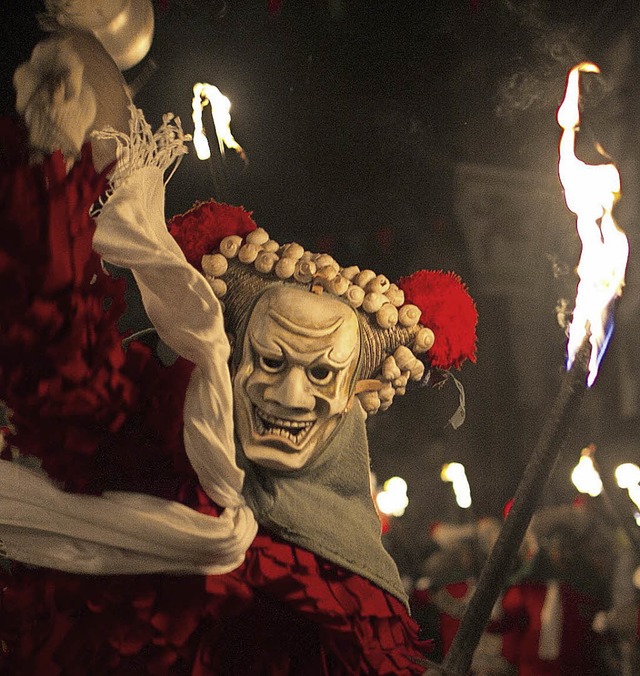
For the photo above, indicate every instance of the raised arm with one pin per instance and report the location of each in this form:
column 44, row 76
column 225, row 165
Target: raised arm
column 66, row 91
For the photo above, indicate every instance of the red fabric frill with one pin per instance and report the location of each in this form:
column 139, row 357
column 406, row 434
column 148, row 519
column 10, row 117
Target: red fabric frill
column 97, row 417
column 60, row 353
column 284, row 611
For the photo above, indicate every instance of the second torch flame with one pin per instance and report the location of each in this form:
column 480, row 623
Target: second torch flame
column 590, row 193
column 205, row 94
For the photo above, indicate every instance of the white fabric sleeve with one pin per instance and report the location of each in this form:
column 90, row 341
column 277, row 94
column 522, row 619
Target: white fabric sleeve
column 116, row 533
column 131, row 233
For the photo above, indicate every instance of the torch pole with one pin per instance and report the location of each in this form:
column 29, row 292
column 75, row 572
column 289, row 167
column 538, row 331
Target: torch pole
column 499, row 564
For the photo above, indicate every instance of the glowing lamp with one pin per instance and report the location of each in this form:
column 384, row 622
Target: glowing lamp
column 454, row 473
column 585, row 476
column 627, row 475
column 392, row 499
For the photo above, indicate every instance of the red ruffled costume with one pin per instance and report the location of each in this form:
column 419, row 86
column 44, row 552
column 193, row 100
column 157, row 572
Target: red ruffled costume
column 97, row 417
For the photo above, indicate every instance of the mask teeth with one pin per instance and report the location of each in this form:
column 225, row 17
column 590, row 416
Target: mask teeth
column 266, row 424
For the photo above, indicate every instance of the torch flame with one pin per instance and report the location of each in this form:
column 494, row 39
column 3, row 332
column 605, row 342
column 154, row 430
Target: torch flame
column 204, row 94
column 590, row 191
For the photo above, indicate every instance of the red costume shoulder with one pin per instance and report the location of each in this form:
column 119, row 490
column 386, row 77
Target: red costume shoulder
column 79, row 401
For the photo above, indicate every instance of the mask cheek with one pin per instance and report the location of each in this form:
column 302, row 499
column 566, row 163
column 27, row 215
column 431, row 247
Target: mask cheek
column 254, row 392
column 335, row 401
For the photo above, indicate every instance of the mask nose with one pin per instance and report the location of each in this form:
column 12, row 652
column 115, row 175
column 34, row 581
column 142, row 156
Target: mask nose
column 292, row 390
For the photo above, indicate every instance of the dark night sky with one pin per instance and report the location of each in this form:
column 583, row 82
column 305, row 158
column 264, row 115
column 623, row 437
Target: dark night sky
column 355, row 115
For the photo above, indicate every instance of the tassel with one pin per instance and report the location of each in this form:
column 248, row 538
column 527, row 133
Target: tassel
column 144, row 148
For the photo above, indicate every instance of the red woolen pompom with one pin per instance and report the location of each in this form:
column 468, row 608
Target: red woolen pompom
column 448, row 310
column 200, row 230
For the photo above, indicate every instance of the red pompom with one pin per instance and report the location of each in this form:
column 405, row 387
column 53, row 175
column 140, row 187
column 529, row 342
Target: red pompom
column 448, row 310
column 200, row 230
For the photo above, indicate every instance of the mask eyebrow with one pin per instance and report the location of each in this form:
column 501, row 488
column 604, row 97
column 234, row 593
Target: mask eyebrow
column 327, row 360
column 307, row 331
column 280, row 351
column 273, row 350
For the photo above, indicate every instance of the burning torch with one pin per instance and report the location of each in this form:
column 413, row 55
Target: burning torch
column 204, row 95
column 590, row 193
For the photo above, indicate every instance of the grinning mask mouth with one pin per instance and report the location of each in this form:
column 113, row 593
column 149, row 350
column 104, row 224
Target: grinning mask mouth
column 293, row 431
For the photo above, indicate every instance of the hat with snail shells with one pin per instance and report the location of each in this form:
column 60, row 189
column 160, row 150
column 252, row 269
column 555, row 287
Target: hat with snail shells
column 422, row 322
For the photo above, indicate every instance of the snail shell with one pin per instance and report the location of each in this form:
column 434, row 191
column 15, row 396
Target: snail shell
column 395, row 295
column 339, row 285
column 386, row 395
column 424, row 340
column 258, row 236
column 218, row 286
column 404, row 358
column 214, row 264
column 379, row 284
column 401, row 382
column 326, row 272
column 266, row 261
column 324, row 259
column 390, row 370
column 409, row 315
column 387, row 316
column 248, row 252
column 304, row 271
column 364, row 277
column 230, row 246
column 271, row 245
column 355, row 296
column 350, row 272
column 373, row 302
column 417, row 370
column 370, row 402
column 292, row 250
column 285, row 267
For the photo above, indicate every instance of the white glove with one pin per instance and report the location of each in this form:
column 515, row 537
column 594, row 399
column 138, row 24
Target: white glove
column 54, row 98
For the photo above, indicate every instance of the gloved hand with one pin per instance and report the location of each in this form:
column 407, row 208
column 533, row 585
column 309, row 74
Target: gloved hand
column 53, row 96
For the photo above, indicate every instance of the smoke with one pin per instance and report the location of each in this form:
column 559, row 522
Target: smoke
column 552, row 38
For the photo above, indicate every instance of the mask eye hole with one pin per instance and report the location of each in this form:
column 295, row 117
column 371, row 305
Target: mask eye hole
column 320, row 375
column 271, row 364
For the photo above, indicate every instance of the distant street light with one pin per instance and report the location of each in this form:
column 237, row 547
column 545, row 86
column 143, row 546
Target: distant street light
column 585, row 476
column 454, row 473
column 392, row 499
